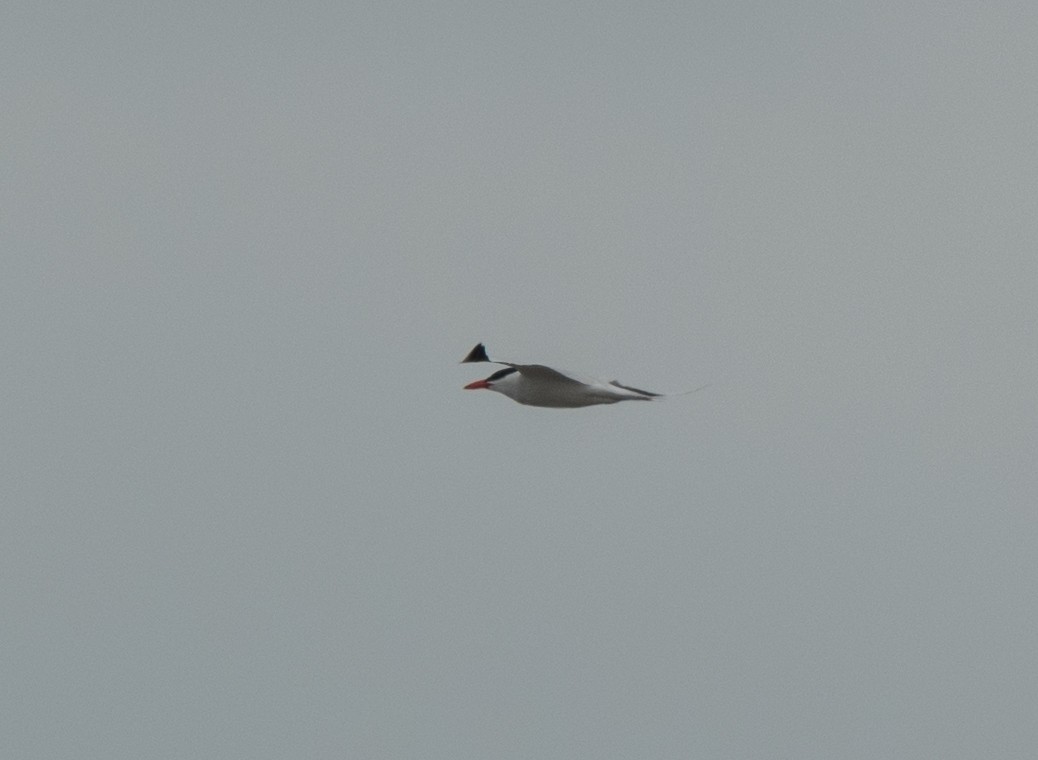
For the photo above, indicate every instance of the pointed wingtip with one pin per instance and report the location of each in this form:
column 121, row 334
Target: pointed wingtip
column 478, row 354
column 645, row 394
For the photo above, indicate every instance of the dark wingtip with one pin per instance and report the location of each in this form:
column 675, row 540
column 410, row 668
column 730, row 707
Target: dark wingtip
column 647, row 394
column 478, row 354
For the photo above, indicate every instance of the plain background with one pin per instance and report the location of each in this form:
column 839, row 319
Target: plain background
column 248, row 511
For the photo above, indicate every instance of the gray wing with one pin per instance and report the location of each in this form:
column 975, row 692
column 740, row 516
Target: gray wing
column 546, row 374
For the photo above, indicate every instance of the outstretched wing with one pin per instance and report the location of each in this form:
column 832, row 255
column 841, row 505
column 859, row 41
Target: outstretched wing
column 479, row 354
column 650, row 394
column 547, row 374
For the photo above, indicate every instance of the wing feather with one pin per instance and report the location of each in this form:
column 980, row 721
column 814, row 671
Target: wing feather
column 547, row 374
column 633, row 390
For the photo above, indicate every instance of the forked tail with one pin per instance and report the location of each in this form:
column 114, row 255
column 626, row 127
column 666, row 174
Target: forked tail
column 694, row 390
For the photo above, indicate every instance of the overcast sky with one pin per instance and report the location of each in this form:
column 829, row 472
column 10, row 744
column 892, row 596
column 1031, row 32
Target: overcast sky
column 249, row 512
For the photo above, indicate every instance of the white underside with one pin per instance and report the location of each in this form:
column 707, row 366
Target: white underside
column 566, row 394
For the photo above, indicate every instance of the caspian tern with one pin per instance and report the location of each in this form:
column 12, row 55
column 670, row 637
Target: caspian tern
column 537, row 385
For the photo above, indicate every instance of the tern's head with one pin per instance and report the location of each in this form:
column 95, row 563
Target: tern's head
column 494, row 382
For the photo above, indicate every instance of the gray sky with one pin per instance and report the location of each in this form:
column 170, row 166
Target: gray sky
column 250, row 513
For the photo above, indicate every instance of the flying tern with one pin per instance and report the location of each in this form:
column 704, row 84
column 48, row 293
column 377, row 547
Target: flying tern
column 537, row 385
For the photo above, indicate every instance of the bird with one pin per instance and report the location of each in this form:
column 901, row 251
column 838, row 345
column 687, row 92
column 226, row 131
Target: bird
column 538, row 385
